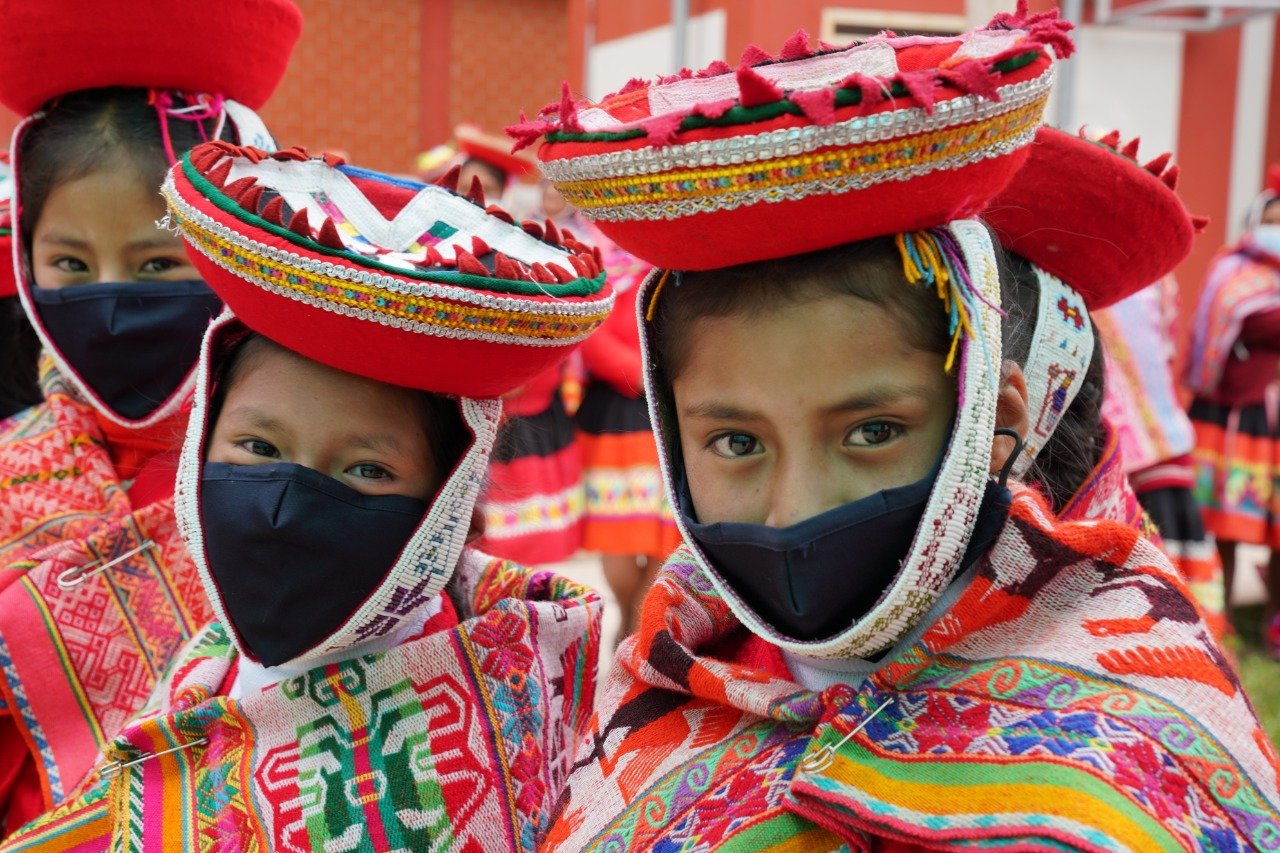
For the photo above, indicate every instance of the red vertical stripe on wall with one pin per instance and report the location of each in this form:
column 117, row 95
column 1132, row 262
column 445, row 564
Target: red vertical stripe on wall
column 434, row 126
column 1273, row 121
column 1205, row 131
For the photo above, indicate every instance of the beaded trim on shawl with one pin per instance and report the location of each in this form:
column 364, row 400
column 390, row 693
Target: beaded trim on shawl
column 943, row 535
column 428, row 559
column 1061, row 349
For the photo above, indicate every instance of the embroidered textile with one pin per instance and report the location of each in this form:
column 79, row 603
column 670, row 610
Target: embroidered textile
column 458, row 740
column 1072, row 698
column 56, row 478
column 1238, row 286
column 1141, row 400
column 86, row 634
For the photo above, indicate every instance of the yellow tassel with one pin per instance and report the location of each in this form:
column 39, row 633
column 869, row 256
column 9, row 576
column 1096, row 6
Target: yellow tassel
column 653, row 300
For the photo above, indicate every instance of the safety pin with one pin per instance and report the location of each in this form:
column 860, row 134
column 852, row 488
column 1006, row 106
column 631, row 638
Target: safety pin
column 109, row 770
column 820, row 759
column 73, row 577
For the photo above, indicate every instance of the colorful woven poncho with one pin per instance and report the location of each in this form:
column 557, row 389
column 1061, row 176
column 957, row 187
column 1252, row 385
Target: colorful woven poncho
column 1240, row 284
column 81, row 650
column 1069, row 697
column 458, row 740
column 57, row 481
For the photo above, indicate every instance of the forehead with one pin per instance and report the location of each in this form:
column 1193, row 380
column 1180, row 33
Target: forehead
column 809, row 353
column 316, row 397
column 107, row 200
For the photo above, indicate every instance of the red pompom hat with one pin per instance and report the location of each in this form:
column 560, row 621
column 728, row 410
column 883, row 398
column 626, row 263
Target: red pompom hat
column 401, row 282
column 235, row 48
column 1113, row 228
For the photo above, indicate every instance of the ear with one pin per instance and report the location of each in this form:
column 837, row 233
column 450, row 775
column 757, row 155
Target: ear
column 476, row 531
column 1011, row 412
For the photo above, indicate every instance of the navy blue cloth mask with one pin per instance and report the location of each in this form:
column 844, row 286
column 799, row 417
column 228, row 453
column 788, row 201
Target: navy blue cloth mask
column 295, row 553
column 133, row 343
column 815, row 578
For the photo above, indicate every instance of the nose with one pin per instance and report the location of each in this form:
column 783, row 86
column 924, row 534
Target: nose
column 802, row 487
column 113, row 271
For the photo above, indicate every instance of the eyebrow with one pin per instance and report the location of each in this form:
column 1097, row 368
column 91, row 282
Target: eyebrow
column 874, row 399
column 378, row 441
column 257, row 418
column 144, row 244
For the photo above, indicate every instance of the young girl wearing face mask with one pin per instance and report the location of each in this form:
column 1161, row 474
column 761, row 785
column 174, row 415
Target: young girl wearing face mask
column 371, row 680
column 1234, row 372
column 874, row 640
column 96, row 592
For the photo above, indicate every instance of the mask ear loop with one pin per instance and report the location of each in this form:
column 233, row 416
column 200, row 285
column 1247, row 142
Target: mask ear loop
column 1018, row 446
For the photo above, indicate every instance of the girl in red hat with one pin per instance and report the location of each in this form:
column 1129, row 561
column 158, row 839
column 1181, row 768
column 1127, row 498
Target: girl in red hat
column 1234, row 371
column 877, row 637
column 371, row 680
column 97, row 592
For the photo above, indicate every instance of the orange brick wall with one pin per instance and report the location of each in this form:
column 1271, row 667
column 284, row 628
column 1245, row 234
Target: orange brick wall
column 506, row 55
column 354, row 82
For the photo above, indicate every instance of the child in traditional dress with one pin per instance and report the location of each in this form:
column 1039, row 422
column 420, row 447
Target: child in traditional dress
column 371, row 681
column 1234, row 372
column 876, row 638
column 96, row 592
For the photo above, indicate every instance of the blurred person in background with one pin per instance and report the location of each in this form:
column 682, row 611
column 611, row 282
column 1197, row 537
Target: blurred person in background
column 1233, row 372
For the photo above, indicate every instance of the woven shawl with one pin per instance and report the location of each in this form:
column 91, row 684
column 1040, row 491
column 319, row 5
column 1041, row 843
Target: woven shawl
column 458, row 740
column 77, row 663
column 1239, row 286
column 1070, row 698
column 57, row 481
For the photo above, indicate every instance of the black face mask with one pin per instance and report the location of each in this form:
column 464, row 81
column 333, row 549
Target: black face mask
column 294, row 553
column 133, row 343
column 815, row 578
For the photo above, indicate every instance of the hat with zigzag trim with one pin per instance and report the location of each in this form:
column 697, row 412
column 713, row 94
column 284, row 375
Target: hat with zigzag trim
column 402, row 282
column 806, row 150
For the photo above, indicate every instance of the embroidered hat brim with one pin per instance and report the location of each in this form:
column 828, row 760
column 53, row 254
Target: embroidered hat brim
column 806, row 151
column 403, row 282
column 1090, row 214
column 235, row 48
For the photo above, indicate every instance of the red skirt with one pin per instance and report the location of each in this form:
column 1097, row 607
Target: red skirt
column 1236, row 455
column 534, row 500
column 626, row 505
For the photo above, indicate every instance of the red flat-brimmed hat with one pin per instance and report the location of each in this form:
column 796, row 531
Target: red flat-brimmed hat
column 723, row 167
column 476, row 142
column 235, row 48
column 402, row 282
column 1090, row 214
